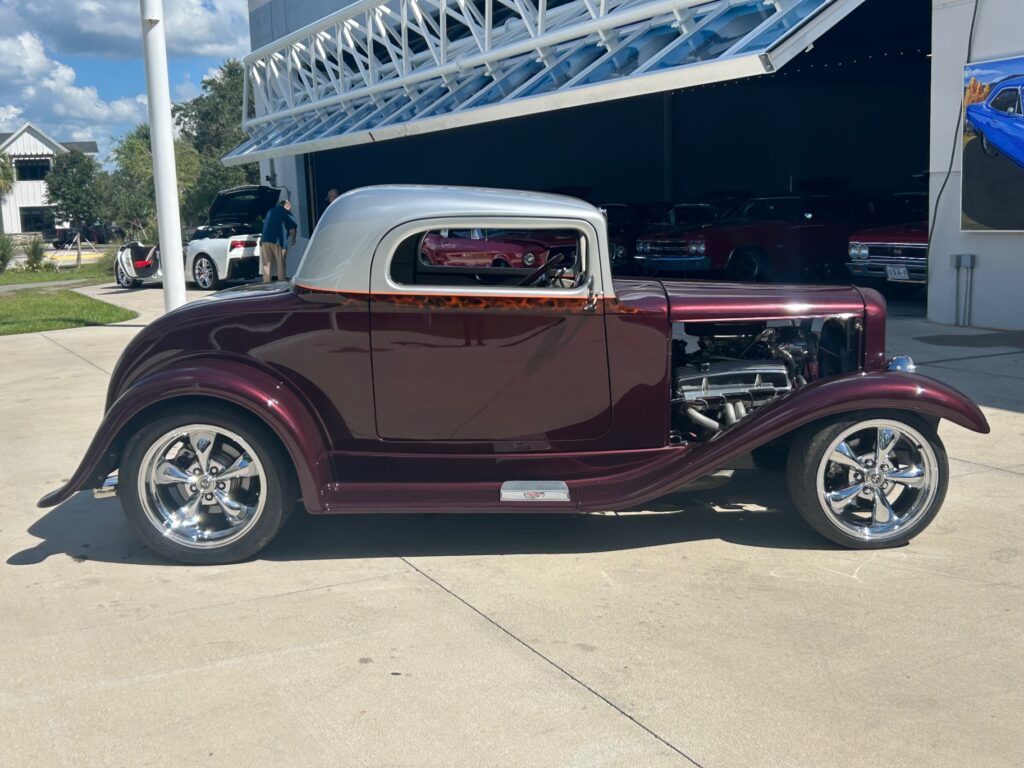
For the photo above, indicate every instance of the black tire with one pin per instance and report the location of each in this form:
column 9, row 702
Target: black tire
column 805, row 460
column 986, row 147
column 121, row 277
column 204, row 273
column 501, row 264
column 279, row 495
column 746, row 267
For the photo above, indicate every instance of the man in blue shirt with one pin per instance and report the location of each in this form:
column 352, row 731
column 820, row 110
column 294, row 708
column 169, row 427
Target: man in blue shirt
column 278, row 227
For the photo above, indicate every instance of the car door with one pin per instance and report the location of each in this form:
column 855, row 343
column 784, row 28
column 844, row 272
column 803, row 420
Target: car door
column 463, row 356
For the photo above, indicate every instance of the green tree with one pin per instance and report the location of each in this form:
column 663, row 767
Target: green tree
column 72, row 190
column 6, row 182
column 212, row 124
column 129, row 191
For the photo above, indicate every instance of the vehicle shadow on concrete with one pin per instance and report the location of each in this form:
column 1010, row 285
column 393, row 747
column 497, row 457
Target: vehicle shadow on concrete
column 752, row 510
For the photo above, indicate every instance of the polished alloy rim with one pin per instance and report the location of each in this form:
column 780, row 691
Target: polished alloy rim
column 122, row 277
column 202, row 486
column 877, row 479
column 204, row 273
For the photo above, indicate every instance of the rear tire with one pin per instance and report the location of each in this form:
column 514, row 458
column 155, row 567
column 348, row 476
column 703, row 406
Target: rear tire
column 986, row 147
column 868, row 481
column 204, row 273
column 746, row 267
column 206, row 485
column 122, row 278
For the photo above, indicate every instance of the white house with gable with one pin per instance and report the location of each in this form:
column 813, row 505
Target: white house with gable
column 26, row 209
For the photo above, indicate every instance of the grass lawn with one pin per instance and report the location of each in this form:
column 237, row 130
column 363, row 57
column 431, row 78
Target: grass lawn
column 95, row 273
column 48, row 309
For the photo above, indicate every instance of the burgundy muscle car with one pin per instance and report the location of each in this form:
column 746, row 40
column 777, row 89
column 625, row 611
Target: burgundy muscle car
column 897, row 253
column 373, row 382
column 764, row 239
column 493, row 248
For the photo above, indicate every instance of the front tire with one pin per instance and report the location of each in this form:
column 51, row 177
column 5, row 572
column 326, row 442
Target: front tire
column 868, row 482
column 206, row 486
column 204, row 273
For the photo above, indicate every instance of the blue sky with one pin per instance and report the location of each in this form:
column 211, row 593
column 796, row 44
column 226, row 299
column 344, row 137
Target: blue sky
column 991, row 71
column 74, row 67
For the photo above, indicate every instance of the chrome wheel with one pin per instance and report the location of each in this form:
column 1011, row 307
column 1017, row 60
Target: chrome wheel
column 122, row 277
column 202, row 486
column 877, row 480
column 204, row 273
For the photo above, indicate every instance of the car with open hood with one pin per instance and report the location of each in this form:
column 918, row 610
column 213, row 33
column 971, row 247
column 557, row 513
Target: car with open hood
column 373, row 382
column 226, row 247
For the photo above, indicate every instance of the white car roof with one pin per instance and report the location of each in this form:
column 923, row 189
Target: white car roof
column 341, row 249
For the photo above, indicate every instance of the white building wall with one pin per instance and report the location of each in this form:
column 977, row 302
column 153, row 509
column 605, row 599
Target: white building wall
column 999, row 271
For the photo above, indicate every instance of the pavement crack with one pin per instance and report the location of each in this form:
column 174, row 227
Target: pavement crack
column 83, row 359
column 545, row 658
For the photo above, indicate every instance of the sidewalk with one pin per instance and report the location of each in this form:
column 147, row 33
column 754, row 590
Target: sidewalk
column 726, row 635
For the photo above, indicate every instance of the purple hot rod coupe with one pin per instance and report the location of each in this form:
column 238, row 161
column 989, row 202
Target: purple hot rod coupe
column 376, row 383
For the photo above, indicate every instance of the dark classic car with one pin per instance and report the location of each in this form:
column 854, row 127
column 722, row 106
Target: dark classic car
column 375, row 383
column 999, row 120
column 765, row 238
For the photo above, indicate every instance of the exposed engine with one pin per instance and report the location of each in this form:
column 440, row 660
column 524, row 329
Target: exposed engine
column 725, row 371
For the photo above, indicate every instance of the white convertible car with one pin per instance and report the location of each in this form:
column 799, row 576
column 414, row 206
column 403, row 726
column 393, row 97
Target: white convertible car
column 226, row 247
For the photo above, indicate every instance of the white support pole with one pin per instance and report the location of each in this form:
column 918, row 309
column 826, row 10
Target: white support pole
column 162, row 142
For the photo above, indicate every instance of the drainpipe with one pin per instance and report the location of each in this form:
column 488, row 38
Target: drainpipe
column 162, row 143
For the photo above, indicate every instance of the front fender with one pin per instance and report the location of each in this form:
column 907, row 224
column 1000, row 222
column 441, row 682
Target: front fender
column 881, row 391
column 267, row 397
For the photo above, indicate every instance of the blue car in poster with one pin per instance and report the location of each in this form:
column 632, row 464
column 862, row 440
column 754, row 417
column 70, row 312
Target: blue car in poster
column 999, row 120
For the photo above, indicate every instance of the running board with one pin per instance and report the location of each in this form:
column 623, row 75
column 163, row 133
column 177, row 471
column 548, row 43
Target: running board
column 534, row 492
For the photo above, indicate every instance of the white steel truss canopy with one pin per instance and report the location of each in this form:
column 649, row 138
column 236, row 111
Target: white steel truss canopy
column 381, row 69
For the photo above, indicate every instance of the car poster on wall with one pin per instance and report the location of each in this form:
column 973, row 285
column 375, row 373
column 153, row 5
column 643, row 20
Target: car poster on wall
column 993, row 144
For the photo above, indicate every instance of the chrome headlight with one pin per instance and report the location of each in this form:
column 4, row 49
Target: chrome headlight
column 620, row 253
column 529, row 259
column 692, row 247
column 854, row 250
column 643, row 246
column 702, row 247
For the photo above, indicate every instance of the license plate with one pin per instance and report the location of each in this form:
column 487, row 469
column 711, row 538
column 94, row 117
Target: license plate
column 897, row 273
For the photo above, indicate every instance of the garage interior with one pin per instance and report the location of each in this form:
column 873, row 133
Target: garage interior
column 849, row 115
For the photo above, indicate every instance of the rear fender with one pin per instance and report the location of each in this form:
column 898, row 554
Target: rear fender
column 254, row 390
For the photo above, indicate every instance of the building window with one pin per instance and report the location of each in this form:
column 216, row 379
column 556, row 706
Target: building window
column 36, row 219
column 31, row 170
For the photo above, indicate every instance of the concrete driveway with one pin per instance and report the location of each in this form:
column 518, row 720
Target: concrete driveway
column 719, row 632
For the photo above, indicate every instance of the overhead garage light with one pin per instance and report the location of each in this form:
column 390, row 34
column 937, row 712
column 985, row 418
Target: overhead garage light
column 377, row 70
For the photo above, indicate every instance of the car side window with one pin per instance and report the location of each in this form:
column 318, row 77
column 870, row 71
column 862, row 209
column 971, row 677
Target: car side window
column 1007, row 101
column 509, row 258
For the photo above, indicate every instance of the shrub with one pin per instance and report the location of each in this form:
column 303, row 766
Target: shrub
column 106, row 260
column 35, row 252
column 6, row 251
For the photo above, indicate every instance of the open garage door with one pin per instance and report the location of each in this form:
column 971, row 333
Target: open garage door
column 382, row 69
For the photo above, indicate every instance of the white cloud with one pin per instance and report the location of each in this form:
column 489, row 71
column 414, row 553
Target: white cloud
column 113, row 27
column 41, row 89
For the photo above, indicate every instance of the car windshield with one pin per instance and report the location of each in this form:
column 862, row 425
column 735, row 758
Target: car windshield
column 687, row 215
column 905, row 208
column 772, row 208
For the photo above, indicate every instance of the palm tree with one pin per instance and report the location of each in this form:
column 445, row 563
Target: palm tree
column 6, row 182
